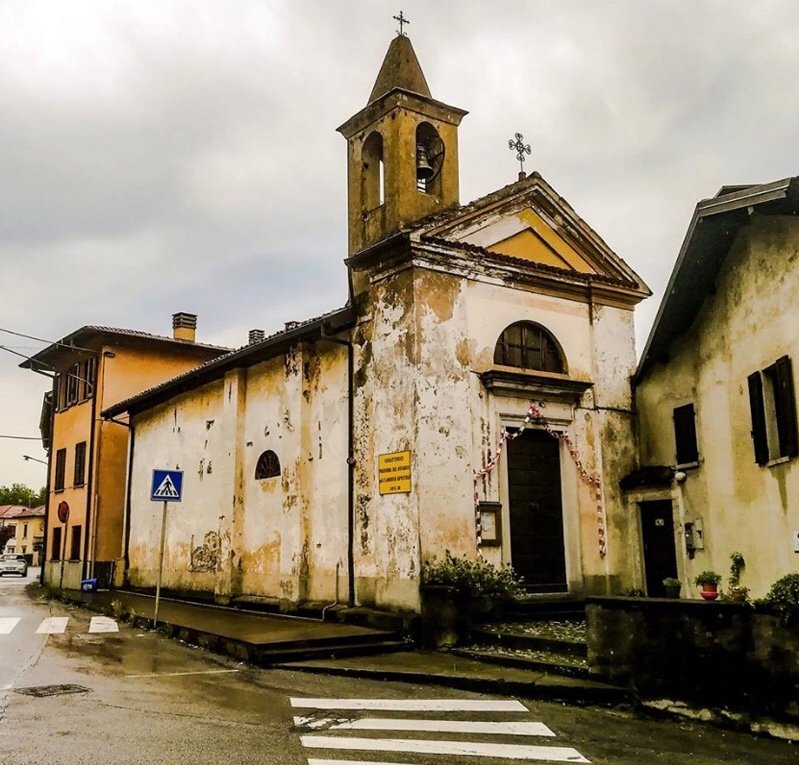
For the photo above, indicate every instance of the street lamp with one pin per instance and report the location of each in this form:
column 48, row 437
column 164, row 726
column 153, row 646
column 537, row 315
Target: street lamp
column 27, row 457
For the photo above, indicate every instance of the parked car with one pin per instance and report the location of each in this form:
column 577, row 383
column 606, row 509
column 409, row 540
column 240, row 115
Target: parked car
column 13, row 564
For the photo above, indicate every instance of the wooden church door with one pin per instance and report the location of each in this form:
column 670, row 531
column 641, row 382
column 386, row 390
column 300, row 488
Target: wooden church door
column 536, row 511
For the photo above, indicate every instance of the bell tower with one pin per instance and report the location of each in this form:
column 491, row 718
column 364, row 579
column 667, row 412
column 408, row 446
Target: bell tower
column 402, row 152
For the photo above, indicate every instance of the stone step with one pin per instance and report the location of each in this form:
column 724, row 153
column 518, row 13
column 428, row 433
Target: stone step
column 526, row 641
column 537, row 661
column 276, row 655
column 544, row 608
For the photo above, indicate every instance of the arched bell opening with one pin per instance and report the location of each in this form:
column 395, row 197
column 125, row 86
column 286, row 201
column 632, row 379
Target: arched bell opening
column 373, row 178
column 429, row 159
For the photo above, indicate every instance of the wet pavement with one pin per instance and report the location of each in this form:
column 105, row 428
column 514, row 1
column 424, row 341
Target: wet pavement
column 138, row 697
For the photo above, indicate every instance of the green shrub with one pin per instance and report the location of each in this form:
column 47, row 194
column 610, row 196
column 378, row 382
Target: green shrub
column 472, row 577
column 783, row 597
column 707, row 577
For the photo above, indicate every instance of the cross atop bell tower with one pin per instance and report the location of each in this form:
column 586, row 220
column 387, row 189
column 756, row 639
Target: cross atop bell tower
column 402, row 151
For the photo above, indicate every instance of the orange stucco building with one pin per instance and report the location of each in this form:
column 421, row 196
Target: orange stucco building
column 93, row 368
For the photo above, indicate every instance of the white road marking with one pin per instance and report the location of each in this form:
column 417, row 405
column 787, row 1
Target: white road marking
column 53, row 625
column 7, row 623
column 458, row 748
column 435, row 726
column 352, row 762
column 182, row 674
column 412, row 705
column 103, row 624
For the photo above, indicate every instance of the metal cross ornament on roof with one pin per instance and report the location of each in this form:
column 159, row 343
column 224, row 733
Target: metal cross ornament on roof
column 521, row 148
column 402, row 20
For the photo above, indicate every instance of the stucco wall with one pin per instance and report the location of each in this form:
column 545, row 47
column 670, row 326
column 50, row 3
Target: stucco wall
column 423, row 392
column 745, row 326
column 282, row 537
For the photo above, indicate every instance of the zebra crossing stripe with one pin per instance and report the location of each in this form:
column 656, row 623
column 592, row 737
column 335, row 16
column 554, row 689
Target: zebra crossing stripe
column 430, row 726
column 103, row 624
column 457, row 748
column 53, row 625
column 7, row 623
column 413, row 705
column 313, row 761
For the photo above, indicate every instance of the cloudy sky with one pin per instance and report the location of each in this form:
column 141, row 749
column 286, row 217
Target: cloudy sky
column 161, row 155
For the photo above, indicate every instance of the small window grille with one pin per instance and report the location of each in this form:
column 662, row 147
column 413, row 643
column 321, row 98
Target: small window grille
column 268, row 466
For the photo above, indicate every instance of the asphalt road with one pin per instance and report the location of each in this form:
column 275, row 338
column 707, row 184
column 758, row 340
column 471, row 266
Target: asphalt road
column 137, row 697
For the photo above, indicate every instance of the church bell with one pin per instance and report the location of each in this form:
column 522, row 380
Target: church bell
column 424, row 171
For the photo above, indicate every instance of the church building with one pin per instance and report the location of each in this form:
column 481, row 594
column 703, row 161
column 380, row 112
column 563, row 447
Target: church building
column 473, row 395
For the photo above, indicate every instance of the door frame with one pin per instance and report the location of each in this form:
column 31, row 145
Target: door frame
column 633, row 501
column 572, row 544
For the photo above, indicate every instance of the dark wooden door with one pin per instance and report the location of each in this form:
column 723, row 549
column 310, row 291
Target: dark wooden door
column 660, row 554
column 536, row 511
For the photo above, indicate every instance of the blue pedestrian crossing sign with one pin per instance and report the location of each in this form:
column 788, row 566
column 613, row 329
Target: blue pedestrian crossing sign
column 167, row 486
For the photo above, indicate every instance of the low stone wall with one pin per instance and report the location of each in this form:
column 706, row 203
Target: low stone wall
column 718, row 654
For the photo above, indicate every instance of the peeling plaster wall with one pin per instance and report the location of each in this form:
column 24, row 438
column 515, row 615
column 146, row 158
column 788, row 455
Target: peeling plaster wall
column 281, row 537
column 746, row 325
column 186, row 434
column 386, row 527
column 423, row 340
column 459, row 421
column 295, row 526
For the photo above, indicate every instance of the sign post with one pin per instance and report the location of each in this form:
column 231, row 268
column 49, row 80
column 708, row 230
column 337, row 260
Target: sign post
column 63, row 516
column 167, row 486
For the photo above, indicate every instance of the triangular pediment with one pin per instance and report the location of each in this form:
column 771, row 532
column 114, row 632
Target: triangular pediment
column 529, row 222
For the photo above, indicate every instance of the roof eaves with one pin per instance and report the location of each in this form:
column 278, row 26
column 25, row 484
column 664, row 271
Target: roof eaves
column 244, row 356
column 742, row 198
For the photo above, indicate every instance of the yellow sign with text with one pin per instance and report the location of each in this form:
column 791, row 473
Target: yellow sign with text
column 394, row 473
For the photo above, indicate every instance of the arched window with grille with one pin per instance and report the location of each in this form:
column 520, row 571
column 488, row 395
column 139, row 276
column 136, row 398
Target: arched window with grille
column 528, row 345
column 268, row 466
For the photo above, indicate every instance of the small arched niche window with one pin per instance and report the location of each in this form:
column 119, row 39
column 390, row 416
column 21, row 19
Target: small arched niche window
column 268, row 466
column 528, row 345
column 373, row 172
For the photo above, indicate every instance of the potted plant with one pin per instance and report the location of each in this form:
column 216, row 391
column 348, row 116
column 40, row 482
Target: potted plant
column 457, row 591
column 737, row 565
column 673, row 587
column 709, row 583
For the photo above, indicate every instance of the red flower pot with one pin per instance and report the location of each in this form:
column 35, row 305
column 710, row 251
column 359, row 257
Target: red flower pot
column 709, row 591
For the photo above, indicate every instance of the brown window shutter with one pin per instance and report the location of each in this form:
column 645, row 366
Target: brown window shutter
column 786, row 409
column 759, row 438
column 685, row 434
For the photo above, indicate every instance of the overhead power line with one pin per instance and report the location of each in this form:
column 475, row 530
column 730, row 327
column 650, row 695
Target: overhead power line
column 49, row 342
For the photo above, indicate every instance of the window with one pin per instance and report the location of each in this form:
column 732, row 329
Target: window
column 773, row 411
column 268, row 466
column 80, row 464
column 24, row 530
column 74, row 549
column 72, row 385
column 56, row 551
column 60, row 469
column 529, row 346
column 685, row 435
column 75, row 384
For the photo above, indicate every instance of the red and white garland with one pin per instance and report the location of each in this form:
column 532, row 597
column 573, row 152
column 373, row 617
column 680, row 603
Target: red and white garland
column 592, row 479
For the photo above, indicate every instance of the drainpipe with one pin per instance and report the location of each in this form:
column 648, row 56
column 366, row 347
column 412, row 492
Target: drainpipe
column 49, row 467
column 350, row 464
column 128, row 480
column 126, row 517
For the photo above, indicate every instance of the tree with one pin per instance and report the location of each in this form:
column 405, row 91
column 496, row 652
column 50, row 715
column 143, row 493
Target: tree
column 19, row 494
column 6, row 532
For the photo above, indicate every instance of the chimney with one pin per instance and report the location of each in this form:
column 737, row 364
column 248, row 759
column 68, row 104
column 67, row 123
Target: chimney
column 184, row 326
column 256, row 335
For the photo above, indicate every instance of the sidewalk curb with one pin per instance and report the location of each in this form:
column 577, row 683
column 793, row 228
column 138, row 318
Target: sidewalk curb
column 611, row 697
